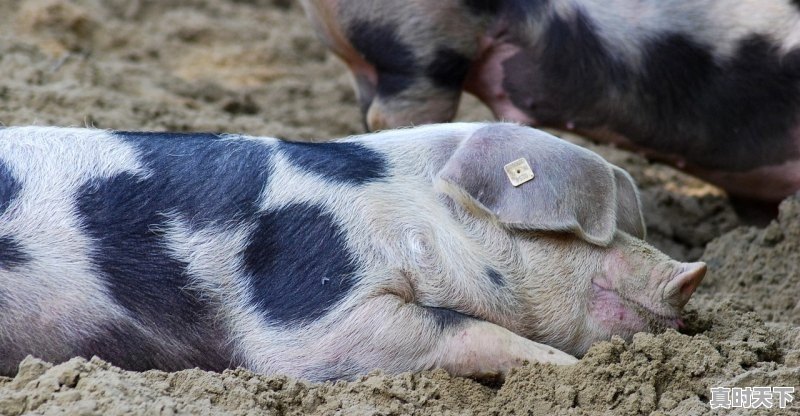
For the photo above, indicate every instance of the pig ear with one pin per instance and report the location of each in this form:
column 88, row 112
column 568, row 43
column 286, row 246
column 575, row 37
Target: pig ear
column 629, row 205
column 573, row 189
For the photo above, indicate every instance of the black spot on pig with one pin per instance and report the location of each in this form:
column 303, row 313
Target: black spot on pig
column 677, row 72
column 448, row 69
column 512, row 8
column 516, row 10
column 9, row 187
column 796, row 4
column 203, row 176
column 393, row 59
column 299, row 264
column 733, row 114
column 573, row 50
column 495, row 277
column 123, row 216
column 344, row 162
column 566, row 78
column 446, row 318
column 483, row 6
column 791, row 61
column 12, row 253
column 131, row 348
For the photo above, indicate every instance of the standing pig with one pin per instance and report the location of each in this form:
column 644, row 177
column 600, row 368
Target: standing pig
column 710, row 86
column 405, row 250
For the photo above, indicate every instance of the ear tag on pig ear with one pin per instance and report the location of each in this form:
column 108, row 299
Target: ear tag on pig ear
column 519, row 171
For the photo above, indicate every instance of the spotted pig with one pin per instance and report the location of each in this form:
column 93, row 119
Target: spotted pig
column 710, row 86
column 404, row 250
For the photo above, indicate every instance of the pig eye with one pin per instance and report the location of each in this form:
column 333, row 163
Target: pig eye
column 550, row 234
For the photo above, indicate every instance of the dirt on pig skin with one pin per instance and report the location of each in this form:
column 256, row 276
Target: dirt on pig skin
column 255, row 67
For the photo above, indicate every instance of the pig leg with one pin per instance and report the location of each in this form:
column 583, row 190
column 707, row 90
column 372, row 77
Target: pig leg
column 397, row 336
column 484, row 350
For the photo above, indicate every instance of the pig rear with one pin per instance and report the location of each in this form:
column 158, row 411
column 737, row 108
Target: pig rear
column 85, row 265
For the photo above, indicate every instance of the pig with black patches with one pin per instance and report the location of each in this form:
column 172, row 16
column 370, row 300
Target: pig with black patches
column 404, row 250
column 711, row 86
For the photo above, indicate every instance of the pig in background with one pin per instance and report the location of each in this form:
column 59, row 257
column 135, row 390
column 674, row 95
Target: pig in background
column 710, row 86
column 404, row 250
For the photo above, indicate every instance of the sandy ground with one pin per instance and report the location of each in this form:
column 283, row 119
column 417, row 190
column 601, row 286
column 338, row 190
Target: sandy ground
column 253, row 66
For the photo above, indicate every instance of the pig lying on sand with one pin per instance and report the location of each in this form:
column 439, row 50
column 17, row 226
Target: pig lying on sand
column 404, row 250
column 711, row 86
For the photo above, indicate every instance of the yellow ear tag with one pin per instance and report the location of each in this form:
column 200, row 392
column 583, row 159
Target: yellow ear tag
column 519, row 171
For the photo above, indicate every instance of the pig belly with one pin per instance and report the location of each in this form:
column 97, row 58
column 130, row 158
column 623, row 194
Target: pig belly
column 766, row 183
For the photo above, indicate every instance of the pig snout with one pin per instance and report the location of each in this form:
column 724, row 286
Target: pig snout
column 626, row 303
column 681, row 287
column 407, row 67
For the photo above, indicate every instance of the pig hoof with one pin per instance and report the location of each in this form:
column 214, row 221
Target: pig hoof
column 560, row 358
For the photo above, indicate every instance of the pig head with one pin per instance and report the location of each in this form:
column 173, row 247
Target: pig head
column 574, row 235
column 712, row 87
